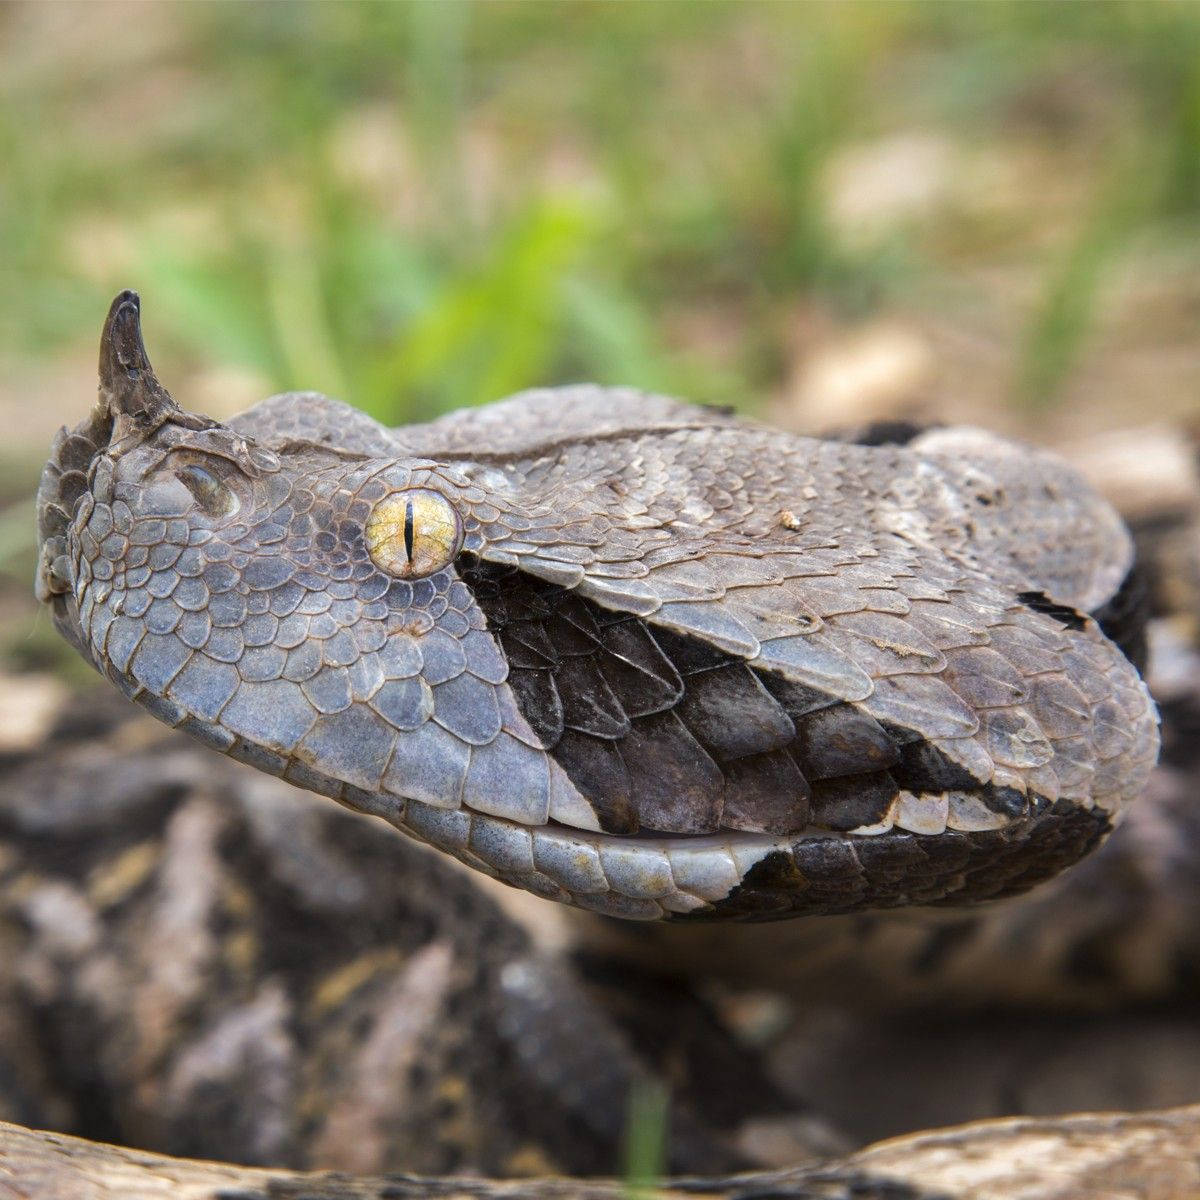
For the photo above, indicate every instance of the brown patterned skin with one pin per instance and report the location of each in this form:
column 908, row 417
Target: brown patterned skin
column 675, row 665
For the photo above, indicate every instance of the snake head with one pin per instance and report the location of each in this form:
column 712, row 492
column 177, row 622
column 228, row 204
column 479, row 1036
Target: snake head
column 614, row 649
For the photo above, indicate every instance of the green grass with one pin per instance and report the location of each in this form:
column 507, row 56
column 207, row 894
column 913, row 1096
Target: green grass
column 554, row 188
column 646, row 1136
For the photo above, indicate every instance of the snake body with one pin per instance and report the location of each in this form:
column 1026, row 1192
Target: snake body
column 623, row 652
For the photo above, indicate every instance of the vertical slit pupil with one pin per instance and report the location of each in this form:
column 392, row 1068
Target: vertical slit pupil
column 408, row 529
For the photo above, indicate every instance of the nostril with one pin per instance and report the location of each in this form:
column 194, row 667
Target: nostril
column 208, row 491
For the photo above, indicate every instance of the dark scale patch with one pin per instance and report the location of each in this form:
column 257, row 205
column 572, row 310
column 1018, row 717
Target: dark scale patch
column 1039, row 602
column 840, row 740
column 663, row 733
column 924, row 768
column 1006, row 801
column 827, row 875
column 690, row 655
column 660, row 732
column 767, row 793
column 537, row 696
column 853, row 800
column 600, row 773
column 1123, row 617
column 895, row 432
column 678, row 787
column 736, row 715
column 590, row 706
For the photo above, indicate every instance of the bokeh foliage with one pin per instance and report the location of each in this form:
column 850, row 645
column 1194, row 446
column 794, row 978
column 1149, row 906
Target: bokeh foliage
column 422, row 205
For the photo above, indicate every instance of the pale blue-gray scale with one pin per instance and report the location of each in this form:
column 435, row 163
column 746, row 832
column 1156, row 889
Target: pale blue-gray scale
column 430, row 765
column 505, row 847
column 345, row 612
column 204, row 687
column 340, row 649
column 124, row 635
column 227, row 610
column 275, row 714
column 286, row 599
column 260, row 663
column 136, row 603
column 149, row 532
column 194, row 629
column 984, row 678
column 100, row 624
column 303, row 662
column 467, row 707
column 159, row 658
column 405, row 703
column 508, row 779
column 163, row 556
column 314, row 600
column 886, row 645
column 322, row 625
column 190, row 562
column 161, row 583
column 292, row 631
column 368, row 635
column 443, row 657
column 456, row 624
column 219, row 576
column 921, row 703
column 329, row 690
column 1013, row 738
column 483, row 657
column 400, row 657
column 353, row 746
column 163, row 616
column 225, row 645
column 366, row 676
column 260, row 629
column 192, row 594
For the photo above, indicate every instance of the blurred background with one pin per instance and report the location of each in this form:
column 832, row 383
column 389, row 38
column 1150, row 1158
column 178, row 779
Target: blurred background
column 820, row 213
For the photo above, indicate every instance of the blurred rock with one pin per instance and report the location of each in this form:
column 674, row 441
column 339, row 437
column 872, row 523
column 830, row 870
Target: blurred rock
column 1144, row 472
column 880, row 370
column 29, row 705
column 370, row 151
column 223, row 391
column 871, row 187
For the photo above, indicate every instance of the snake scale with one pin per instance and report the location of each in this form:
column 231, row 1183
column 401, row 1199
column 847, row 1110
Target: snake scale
column 634, row 655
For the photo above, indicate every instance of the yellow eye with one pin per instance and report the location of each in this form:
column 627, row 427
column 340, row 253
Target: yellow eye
column 414, row 533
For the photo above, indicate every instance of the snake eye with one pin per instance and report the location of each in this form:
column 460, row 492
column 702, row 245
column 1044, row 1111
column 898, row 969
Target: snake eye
column 214, row 497
column 413, row 533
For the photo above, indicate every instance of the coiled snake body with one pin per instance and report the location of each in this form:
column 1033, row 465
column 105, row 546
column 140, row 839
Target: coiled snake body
column 620, row 651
